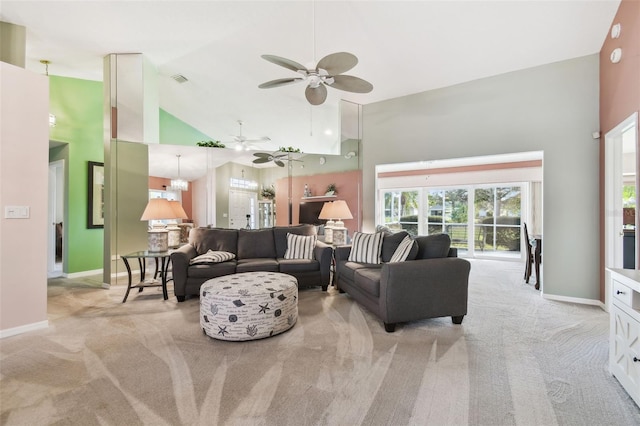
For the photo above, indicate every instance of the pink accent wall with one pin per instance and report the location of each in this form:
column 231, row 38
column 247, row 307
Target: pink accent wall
column 348, row 184
column 24, row 148
column 187, row 198
column 619, row 98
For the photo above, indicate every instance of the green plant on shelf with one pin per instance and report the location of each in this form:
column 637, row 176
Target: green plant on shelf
column 289, row 149
column 331, row 189
column 268, row 193
column 211, row 144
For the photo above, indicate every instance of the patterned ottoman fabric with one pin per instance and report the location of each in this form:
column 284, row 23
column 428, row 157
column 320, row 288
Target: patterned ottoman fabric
column 249, row 305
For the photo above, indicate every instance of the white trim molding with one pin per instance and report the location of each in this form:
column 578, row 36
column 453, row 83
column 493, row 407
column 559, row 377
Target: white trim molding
column 24, row 329
column 578, row 300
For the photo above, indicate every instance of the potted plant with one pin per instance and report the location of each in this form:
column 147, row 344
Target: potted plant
column 331, row 189
column 268, row 193
column 211, row 144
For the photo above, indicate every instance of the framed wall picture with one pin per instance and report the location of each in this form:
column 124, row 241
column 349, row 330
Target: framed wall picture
column 95, row 217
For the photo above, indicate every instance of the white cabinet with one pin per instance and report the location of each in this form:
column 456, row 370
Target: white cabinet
column 624, row 338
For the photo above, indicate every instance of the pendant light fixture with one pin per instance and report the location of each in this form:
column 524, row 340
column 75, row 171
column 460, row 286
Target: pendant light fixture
column 179, row 184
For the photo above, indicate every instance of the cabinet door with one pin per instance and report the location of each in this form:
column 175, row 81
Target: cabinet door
column 625, row 347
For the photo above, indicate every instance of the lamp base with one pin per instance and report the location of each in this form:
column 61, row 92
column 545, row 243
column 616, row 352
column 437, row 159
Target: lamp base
column 158, row 240
column 339, row 236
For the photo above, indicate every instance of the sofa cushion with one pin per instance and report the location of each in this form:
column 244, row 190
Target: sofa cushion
column 280, row 236
column 257, row 265
column 213, row 257
column 390, row 243
column 298, row 265
column 300, row 246
column 256, row 243
column 348, row 269
column 433, row 246
column 404, row 249
column 212, row 270
column 366, row 248
column 205, row 239
column 368, row 280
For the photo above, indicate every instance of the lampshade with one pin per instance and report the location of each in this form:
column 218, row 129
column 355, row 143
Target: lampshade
column 178, row 210
column 327, row 209
column 158, row 209
column 341, row 210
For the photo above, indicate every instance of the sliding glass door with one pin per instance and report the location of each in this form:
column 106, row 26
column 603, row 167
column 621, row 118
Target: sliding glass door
column 482, row 221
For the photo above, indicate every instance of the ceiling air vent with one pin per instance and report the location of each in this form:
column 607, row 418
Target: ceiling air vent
column 179, row 78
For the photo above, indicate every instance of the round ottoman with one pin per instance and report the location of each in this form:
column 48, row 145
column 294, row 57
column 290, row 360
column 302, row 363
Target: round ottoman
column 248, row 305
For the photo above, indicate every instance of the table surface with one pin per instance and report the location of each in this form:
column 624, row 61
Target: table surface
column 147, row 253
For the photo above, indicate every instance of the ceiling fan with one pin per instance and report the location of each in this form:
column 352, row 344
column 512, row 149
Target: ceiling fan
column 328, row 72
column 277, row 157
column 243, row 143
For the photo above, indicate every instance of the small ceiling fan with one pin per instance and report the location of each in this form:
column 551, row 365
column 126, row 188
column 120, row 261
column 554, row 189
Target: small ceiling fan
column 277, row 157
column 328, row 72
column 243, row 143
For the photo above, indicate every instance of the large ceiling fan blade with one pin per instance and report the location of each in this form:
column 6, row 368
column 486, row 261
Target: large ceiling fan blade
column 350, row 83
column 279, row 163
column 279, row 82
column 261, row 160
column 316, row 96
column 263, row 155
column 284, row 62
column 337, row 63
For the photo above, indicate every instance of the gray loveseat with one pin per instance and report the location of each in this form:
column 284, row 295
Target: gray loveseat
column 255, row 250
column 432, row 282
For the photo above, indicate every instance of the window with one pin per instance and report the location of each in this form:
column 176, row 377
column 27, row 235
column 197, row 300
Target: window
column 481, row 220
column 401, row 210
column 497, row 218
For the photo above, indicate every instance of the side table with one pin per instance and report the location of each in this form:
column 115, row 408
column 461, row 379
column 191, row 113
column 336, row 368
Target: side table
column 162, row 258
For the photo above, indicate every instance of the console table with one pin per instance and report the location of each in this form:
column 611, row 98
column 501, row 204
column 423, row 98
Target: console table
column 162, row 258
column 624, row 337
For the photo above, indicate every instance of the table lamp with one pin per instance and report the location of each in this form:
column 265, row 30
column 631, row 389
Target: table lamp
column 327, row 214
column 173, row 228
column 158, row 209
column 340, row 211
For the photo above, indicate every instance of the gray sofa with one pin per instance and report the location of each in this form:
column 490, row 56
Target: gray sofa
column 432, row 282
column 255, row 250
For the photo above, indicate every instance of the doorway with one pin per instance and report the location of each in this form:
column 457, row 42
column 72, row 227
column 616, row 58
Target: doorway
column 56, row 243
column 620, row 178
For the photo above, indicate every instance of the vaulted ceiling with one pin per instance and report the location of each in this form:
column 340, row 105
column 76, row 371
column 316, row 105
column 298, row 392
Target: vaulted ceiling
column 403, row 47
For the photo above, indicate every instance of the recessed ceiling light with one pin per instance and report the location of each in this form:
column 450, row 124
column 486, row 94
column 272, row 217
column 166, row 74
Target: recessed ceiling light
column 616, row 55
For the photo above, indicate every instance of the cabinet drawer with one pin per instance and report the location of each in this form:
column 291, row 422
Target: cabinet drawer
column 622, row 293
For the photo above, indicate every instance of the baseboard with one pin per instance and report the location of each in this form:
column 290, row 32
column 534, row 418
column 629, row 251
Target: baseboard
column 82, row 274
column 24, row 329
column 574, row 300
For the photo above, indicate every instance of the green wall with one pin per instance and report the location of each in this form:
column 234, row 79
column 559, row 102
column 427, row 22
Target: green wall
column 77, row 105
column 176, row 132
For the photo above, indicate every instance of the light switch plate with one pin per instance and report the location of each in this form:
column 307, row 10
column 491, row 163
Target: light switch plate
column 16, row 212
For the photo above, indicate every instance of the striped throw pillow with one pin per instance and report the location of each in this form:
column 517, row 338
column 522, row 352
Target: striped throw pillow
column 366, row 248
column 212, row 257
column 401, row 253
column 300, row 246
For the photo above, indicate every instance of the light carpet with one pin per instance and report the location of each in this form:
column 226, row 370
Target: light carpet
column 517, row 359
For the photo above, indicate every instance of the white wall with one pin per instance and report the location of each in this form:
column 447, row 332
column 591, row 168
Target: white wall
column 551, row 108
column 24, row 169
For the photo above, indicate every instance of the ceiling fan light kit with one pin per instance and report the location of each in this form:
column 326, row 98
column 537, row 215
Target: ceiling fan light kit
column 328, row 72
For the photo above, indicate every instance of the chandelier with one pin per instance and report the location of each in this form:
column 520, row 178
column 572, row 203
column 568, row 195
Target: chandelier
column 178, row 184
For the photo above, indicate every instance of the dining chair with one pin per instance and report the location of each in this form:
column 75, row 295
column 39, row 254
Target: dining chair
column 530, row 259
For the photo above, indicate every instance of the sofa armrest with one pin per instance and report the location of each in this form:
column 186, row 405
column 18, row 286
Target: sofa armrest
column 322, row 252
column 424, row 288
column 180, row 264
column 342, row 252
